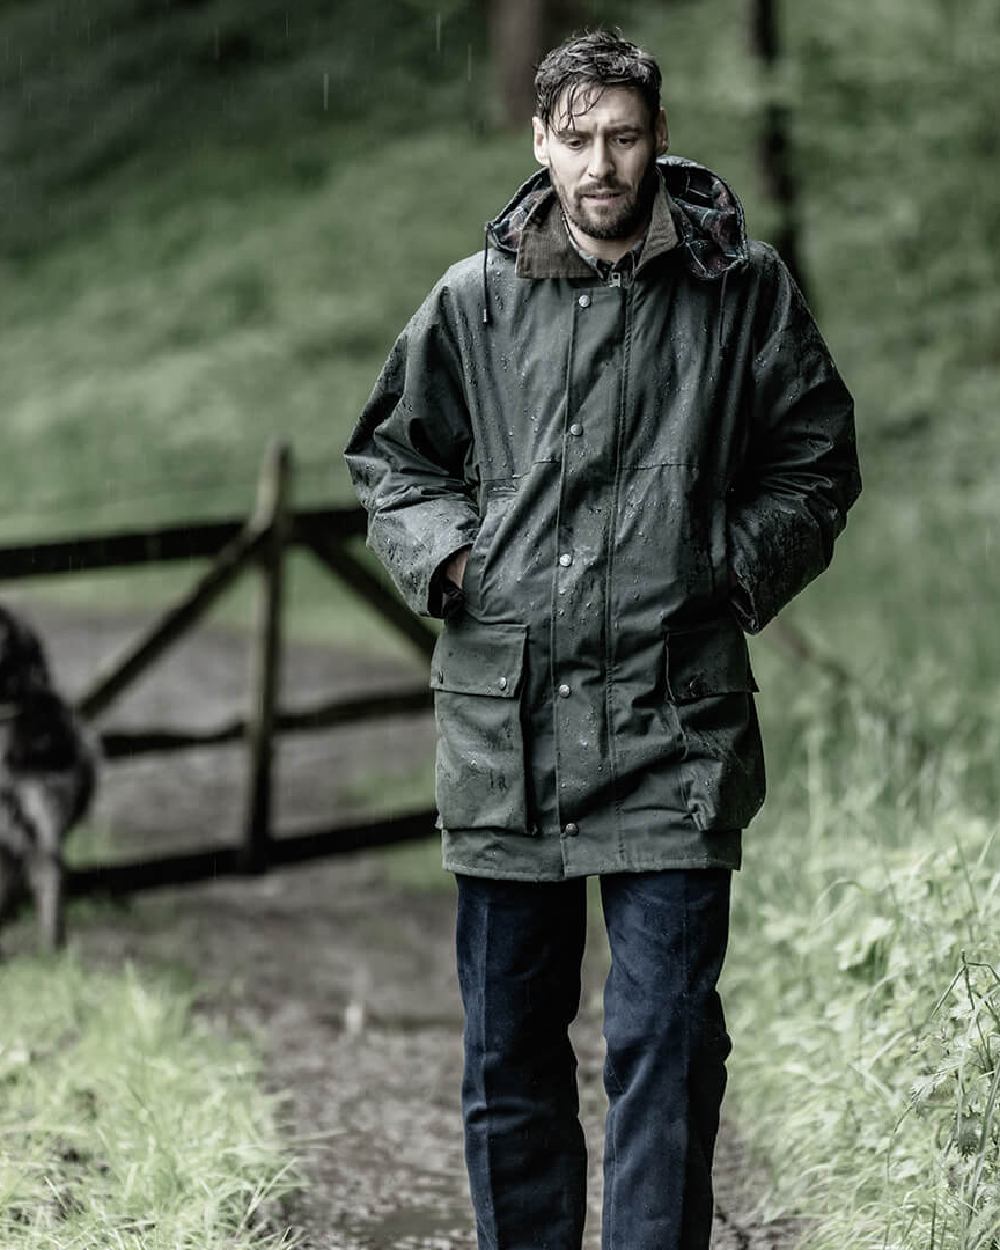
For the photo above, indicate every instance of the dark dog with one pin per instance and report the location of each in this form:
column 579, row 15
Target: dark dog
column 47, row 774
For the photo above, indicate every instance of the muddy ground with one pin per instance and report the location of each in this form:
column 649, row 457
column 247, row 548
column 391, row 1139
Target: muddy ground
column 345, row 978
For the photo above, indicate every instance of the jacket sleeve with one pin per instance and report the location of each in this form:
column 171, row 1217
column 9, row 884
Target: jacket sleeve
column 790, row 499
column 409, row 455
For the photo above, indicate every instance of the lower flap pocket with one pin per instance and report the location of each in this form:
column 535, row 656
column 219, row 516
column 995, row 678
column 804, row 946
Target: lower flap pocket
column 477, row 674
column 710, row 685
column 707, row 660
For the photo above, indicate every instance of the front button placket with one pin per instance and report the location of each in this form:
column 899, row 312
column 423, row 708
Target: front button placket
column 593, row 400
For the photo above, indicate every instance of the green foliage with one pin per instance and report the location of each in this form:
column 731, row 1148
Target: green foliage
column 259, row 91
column 143, row 383
column 126, row 1121
column 865, row 993
column 898, row 145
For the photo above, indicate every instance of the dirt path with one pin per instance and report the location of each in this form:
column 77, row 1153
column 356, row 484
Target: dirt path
column 346, row 979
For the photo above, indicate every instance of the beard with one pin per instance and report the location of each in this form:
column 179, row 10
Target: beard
column 629, row 213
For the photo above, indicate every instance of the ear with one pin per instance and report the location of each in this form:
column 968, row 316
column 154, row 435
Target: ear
column 662, row 132
column 541, row 141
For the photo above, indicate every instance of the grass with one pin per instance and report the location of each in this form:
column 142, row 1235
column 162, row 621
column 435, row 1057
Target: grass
column 126, row 1121
column 150, row 393
column 864, row 990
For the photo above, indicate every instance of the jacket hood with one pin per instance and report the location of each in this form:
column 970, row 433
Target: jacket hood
column 706, row 211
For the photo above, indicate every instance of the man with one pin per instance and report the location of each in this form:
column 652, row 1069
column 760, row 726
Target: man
column 601, row 449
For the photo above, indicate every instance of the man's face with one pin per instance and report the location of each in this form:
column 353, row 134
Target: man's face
column 601, row 165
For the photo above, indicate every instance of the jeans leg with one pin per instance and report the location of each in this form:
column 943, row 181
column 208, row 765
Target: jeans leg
column 666, row 1051
column 519, row 947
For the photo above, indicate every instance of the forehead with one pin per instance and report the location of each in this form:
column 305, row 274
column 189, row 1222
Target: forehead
column 599, row 108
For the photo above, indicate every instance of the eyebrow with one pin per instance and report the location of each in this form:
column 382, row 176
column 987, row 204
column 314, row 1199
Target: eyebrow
column 571, row 131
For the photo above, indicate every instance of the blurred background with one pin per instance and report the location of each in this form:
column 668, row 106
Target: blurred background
column 215, row 217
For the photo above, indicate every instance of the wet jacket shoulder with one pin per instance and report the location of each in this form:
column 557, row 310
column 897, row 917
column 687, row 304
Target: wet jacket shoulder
column 411, row 455
column 799, row 473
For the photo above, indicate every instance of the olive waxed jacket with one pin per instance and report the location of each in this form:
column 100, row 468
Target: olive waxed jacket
column 645, row 468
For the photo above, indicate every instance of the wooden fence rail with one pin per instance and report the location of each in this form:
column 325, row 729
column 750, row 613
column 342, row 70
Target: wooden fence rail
column 162, row 544
column 258, row 545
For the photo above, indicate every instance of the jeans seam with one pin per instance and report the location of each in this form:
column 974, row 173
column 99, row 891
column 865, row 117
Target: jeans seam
column 614, row 1167
column 686, row 1018
column 611, row 1139
column 493, row 1231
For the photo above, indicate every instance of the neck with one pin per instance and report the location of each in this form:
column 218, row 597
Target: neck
column 607, row 249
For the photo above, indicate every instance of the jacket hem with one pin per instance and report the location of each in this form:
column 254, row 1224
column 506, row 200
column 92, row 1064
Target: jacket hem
column 505, row 857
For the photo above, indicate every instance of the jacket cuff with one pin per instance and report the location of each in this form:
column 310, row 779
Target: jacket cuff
column 741, row 592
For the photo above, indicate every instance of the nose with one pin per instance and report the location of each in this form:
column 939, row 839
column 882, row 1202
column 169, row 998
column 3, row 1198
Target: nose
column 600, row 165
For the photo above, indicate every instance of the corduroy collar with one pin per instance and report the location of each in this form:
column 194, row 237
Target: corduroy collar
column 545, row 249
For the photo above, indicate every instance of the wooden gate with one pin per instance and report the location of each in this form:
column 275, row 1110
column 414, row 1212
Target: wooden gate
column 258, row 545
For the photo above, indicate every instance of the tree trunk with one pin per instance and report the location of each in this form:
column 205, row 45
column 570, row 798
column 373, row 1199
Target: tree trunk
column 516, row 33
column 774, row 144
column 521, row 32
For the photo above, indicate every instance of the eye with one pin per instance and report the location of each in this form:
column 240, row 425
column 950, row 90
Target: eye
column 626, row 141
column 574, row 143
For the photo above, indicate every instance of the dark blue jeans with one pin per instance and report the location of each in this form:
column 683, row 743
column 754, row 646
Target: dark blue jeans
column 520, row 946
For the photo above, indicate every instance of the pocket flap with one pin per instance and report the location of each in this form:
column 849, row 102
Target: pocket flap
column 470, row 658
column 707, row 660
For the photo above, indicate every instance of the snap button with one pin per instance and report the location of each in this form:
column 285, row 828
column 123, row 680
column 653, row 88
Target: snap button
column 564, row 691
column 576, row 429
column 571, row 827
column 502, row 683
column 565, row 559
column 584, row 300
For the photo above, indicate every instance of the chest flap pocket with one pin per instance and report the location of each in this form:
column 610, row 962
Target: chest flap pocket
column 477, row 674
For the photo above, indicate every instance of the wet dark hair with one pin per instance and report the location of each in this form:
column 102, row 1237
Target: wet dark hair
column 584, row 66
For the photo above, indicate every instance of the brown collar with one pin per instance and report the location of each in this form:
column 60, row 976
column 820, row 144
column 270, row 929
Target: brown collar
column 545, row 250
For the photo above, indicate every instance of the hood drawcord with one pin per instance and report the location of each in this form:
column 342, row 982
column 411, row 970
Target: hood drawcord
column 722, row 306
column 486, row 289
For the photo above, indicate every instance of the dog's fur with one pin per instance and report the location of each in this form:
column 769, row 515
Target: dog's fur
column 47, row 775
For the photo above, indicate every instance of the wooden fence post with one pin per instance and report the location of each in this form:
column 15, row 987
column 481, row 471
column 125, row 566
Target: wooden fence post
column 273, row 517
